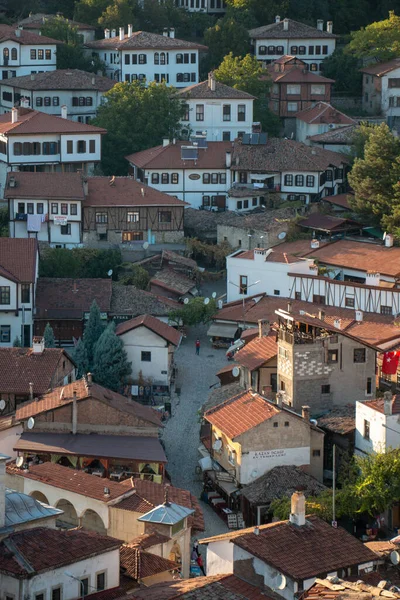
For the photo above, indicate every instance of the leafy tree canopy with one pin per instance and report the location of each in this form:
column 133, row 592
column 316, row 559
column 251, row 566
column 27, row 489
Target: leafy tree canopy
column 194, row 312
column 49, row 339
column 4, row 220
column 227, row 36
column 110, row 362
column 135, row 275
column 345, row 70
column 136, row 118
column 379, row 40
column 78, row 262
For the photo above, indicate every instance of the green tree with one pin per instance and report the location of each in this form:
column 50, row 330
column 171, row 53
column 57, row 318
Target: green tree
column 89, row 11
column 248, row 75
column 110, row 364
column 194, row 312
column 373, row 179
column 17, row 342
column 227, row 35
column 360, row 137
column 49, row 340
column 118, row 14
column 135, row 275
column 379, row 40
column 345, row 70
column 136, row 118
column 80, row 357
column 92, row 333
column 4, row 221
column 79, row 262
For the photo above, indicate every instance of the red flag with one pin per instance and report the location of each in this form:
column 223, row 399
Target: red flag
column 390, row 362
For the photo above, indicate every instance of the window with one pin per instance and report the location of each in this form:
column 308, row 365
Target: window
column 333, row 356
column 288, row 180
column 65, row 229
column 17, row 148
column 47, row 101
column 14, row 55
column 40, row 54
column 369, row 386
column 199, row 112
column 101, row 581
column 56, row 593
column 310, row 181
column 366, row 429
column 133, row 217
column 54, row 208
column 311, row 50
column 101, row 217
column 302, row 50
column 226, row 112
column 47, row 54
column 186, row 115
column 359, row 355
column 73, row 209
column 70, row 147
column 314, row 67
column 33, row 54
column 92, row 146
column 4, row 294
column 242, row 177
column 292, row 107
column 241, row 112
column 50, row 148
column 156, row 58
column 175, row 178
column 134, row 59
column 29, row 208
column 282, row 386
column 146, row 356
column 317, row 49
column 317, row 299
column 127, row 59
column 214, row 178
column 206, row 200
column 206, row 178
column 276, row 424
column 81, row 146
column 297, row 296
column 165, row 178
column 316, row 452
column 231, row 456
column 245, row 204
column 142, row 59
column 5, row 334
column 39, row 208
column 239, row 205
column 243, row 284
column 155, row 178
column 40, row 596
column 349, row 302
column 222, row 177
column 226, row 136
column 325, row 389
column 324, row 49
column 293, row 89
column 299, row 180
column 329, row 175
column 318, row 89
column 84, row 587
column 179, row 59
column 386, row 310
column 294, row 50
column 164, row 216
column 162, row 58
column 277, row 292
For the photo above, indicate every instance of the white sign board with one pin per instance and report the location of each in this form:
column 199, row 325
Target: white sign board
column 60, row 220
column 255, row 464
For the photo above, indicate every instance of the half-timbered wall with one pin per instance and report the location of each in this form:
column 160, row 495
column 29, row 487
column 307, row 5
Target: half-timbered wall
column 149, row 218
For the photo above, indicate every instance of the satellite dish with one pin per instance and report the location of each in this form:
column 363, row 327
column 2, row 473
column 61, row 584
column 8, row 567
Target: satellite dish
column 281, row 236
column 280, row 582
column 214, row 295
column 2, row 404
column 145, row 245
column 186, row 301
column 110, row 272
column 313, row 421
column 31, row 423
column 217, row 445
column 236, row 371
column 20, row 461
column 206, row 301
column 394, row 557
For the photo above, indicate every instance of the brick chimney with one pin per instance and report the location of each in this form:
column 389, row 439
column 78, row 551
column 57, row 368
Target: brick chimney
column 263, row 328
column 387, row 403
column 298, row 509
column 305, row 412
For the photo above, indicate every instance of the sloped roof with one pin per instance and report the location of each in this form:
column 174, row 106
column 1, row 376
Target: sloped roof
column 339, row 200
column 341, row 419
column 49, row 186
column 126, row 299
column 18, row 259
column 328, row 223
column 381, row 69
column 34, row 122
column 126, row 191
column 66, row 298
column 35, row 21
column 202, row 90
column 149, row 540
column 173, row 281
column 144, row 40
column 168, row 513
column 139, row 564
column 257, row 352
column 8, row 32
column 323, row 112
column 295, row 30
column 62, row 79
column 378, row 404
column 169, row 157
column 297, row 73
column 280, row 482
column 339, row 135
column 162, row 329
column 21, row 508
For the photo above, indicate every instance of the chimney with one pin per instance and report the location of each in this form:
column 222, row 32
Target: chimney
column 32, row 76
column 388, row 240
column 3, row 459
column 14, row 115
column 121, row 33
column 314, row 243
column 256, row 530
column 321, row 315
column 142, row 192
column 228, row 159
column 38, row 345
column 74, row 413
column 113, row 33
column 64, row 113
column 280, row 397
column 93, row 80
column 172, row 32
column 305, row 412
column 320, row 25
column 263, row 328
column 337, row 323
column 277, row 19
column 18, row 32
column 130, row 30
column 211, row 81
column 285, row 24
column 165, row 32
column 298, row 509
column 89, row 379
column 387, row 403
column 329, row 26
column 85, row 185
column 373, row 278
column 106, row 34
column 165, row 141
column 289, row 307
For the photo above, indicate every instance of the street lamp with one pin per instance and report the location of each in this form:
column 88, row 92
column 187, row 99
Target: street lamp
column 240, row 287
column 68, row 574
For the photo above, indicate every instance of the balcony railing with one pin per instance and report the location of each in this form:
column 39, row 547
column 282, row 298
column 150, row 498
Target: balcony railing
column 273, row 187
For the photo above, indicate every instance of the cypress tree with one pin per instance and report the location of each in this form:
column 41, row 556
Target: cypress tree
column 110, row 363
column 93, row 330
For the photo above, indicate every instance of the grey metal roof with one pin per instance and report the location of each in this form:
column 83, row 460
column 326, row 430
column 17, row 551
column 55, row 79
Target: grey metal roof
column 21, row 508
column 167, row 514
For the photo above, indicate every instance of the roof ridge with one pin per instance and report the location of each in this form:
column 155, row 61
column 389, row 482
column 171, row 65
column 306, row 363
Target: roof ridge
column 18, row 556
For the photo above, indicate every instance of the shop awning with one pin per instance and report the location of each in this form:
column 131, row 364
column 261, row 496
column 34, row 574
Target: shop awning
column 228, row 486
column 224, row 330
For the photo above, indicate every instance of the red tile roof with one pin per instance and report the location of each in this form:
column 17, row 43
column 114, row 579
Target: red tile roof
column 328, row 223
column 42, row 549
column 126, row 191
column 341, row 419
column 18, row 259
column 169, row 157
column 64, row 298
column 296, row 74
column 173, row 281
column 162, row 329
column 257, row 352
column 64, row 395
column 241, row 413
column 73, row 480
column 149, row 540
column 21, row 366
column 7, row 33
column 144, row 40
column 378, row 404
column 139, row 564
column 153, row 494
column 339, row 136
column 62, row 79
column 323, row 112
column 381, row 69
column 339, row 200
column 202, row 90
column 36, row 21
column 271, row 255
column 33, row 122
column 295, row 29
column 62, row 186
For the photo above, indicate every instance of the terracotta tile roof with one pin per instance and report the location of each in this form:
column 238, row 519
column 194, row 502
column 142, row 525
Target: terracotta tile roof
column 381, row 69
column 7, row 33
column 203, row 90
column 62, row 186
column 328, row 223
column 280, row 482
column 126, row 299
column 175, row 258
column 241, row 413
column 173, row 281
column 149, row 540
column 18, row 259
column 126, row 585
column 323, row 112
column 295, row 30
column 126, row 191
column 213, row 587
column 21, row 366
column 324, row 589
column 34, row 122
column 64, row 395
column 162, row 329
column 249, row 334
column 340, row 135
column 140, row 564
column 319, row 548
column 378, row 404
column 144, row 40
column 58, row 298
column 169, row 157
column 222, row 394
column 153, row 494
column 339, row 200
column 295, row 74
column 382, row 548
column 271, row 255
column 42, row 549
column 36, row 21
column 341, row 419
column 281, row 155
column 62, row 79
column 226, row 369
column 73, row 480
column 257, row 352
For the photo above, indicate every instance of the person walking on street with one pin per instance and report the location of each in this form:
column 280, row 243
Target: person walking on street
column 200, row 563
column 197, row 346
